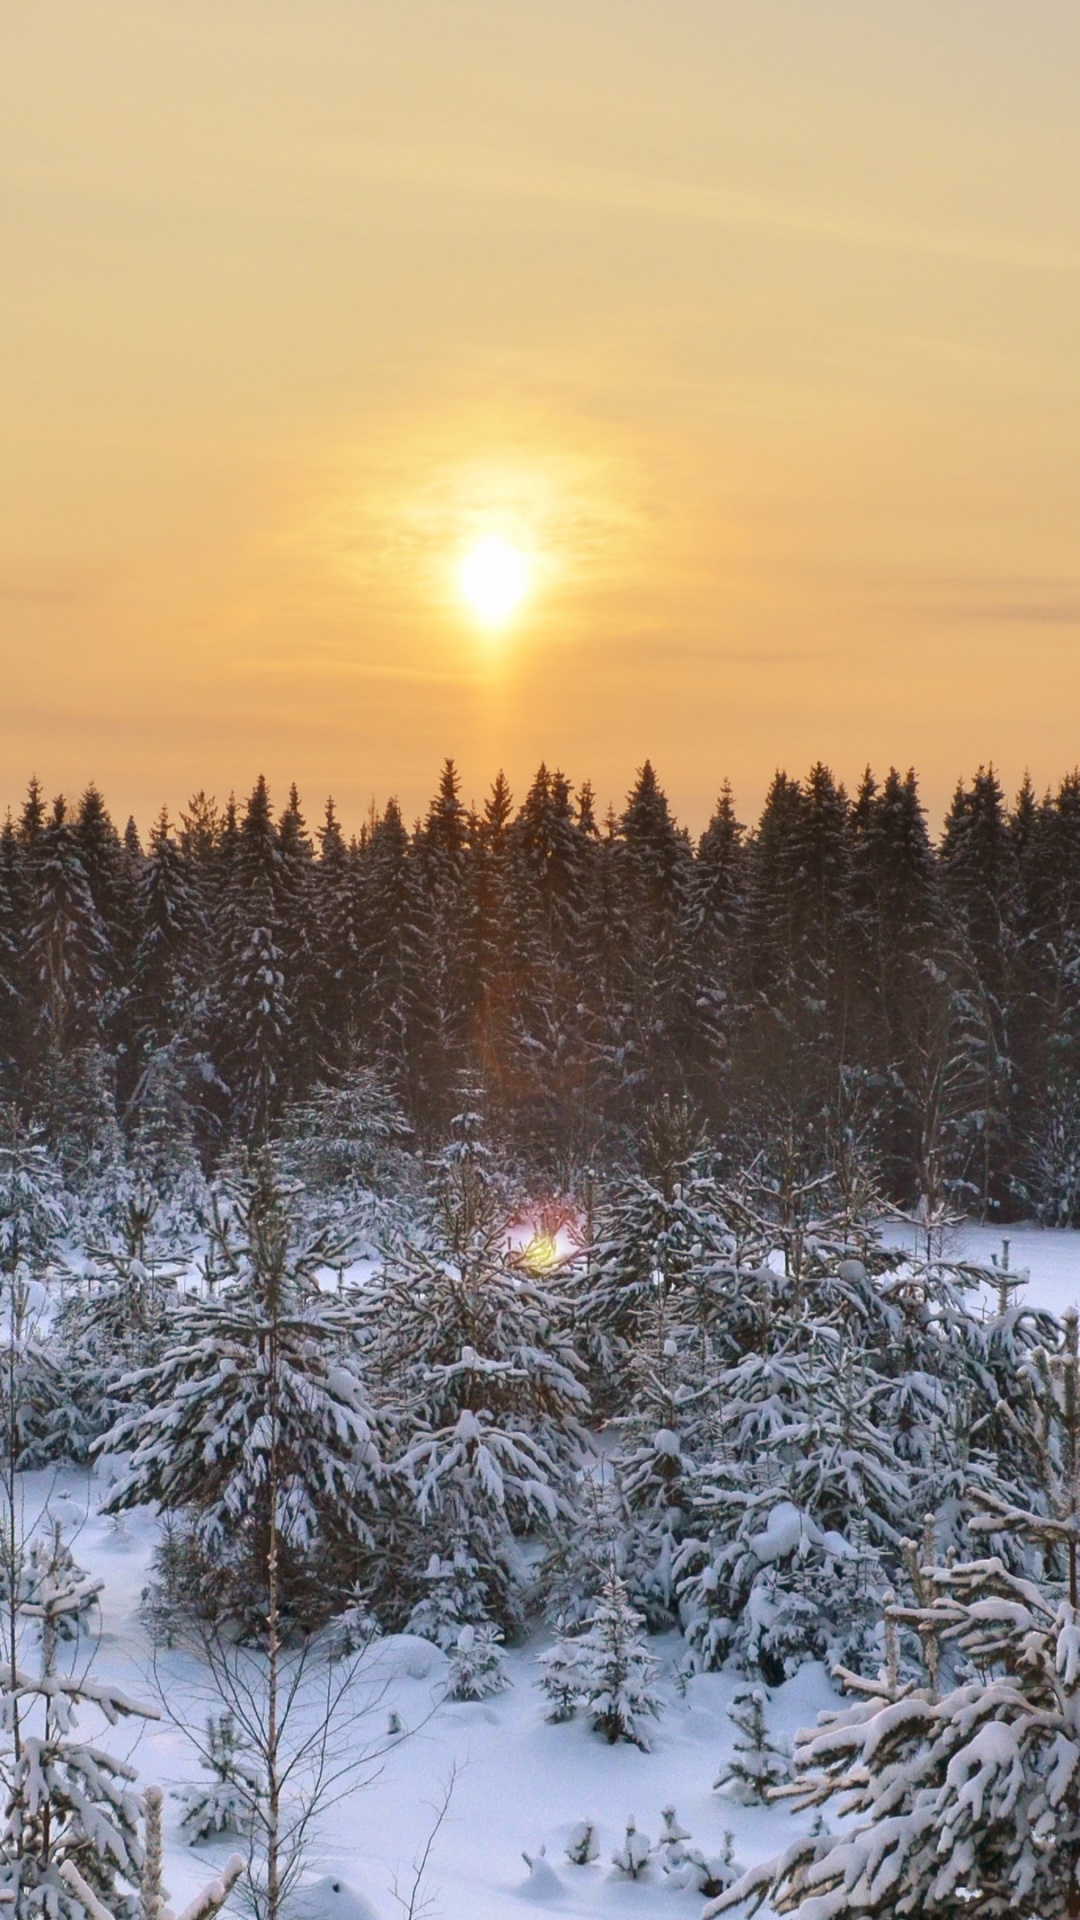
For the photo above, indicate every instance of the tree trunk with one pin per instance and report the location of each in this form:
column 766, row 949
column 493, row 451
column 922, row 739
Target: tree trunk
column 273, row 1780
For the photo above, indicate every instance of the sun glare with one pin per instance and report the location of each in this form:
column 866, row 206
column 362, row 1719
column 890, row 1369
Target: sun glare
column 541, row 1254
column 494, row 579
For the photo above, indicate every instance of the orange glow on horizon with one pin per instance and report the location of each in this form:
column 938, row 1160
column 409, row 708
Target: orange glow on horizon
column 751, row 337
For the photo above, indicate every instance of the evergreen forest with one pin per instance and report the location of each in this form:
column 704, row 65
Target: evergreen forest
column 830, row 983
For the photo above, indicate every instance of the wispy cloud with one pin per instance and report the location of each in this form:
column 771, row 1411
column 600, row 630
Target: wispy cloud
column 47, row 584
column 1009, row 600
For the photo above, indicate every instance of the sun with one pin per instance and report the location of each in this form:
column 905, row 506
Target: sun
column 494, row 579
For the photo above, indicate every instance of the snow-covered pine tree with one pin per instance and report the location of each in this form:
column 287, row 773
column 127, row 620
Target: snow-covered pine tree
column 226, row 1802
column 119, row 1319
column 255, row 1419
column 477, row 1667
column 561, row 1679
column 964, row 1801
column 169, row 1012
column 672, row 1842
column 12, row 948
column 756, row 1764
column 34, row 1213
column 685, row 1866
column 479, row 1352
column 454, row 1595
column 257, row 998
column 347, row 1144
column 652, row 1489
column 534, row 884
column 631, row 1859
column 42, row 1567
column 1057, row 1475
column 775, row 1566
column 67, row 953
column 170, row 957
column 454, row 1614
column 582, row 1846
column 70, row 1803
column 443, row 988
column 607, row 1671
column 659, row 1242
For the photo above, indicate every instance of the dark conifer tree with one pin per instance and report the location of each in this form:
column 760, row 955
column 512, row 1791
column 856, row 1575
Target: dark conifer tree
column 980, row 897
column 339, row 931
column 256, row 1000
column 550, row 860
column 654, row 868
column 12, row 929
column 393, row 956
column 445, row 991
column 300, row 946
column 895, row 928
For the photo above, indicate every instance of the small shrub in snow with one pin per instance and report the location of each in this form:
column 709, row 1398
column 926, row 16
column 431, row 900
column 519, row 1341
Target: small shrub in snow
column 543, row 1882
column 50, row 1586
column 582, row 1846
column 226, row 1802
column 756, row 1764
column 477, row 1668
column 684, row 1866
column 673, row 1839
column 561, row 1679
column 455, row 1596
column 608, row 1671
column 632, row 1858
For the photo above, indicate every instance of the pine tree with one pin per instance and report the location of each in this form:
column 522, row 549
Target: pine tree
column 685, row 1866
column 226, row 1802
column 67, row 944
column 392, row 914
column 980, row 892
column 775, row 1567
column 715, row 910
column 337, row 967
column 480, row 1354
column 13, row 983
column 71, row 1818
column 34, row 1214
column 582, row 1846
column 632, row 1858
column 755, row 1764
column 965, row 1800
column 454, row 1595
column 477, row 1668
column 454, row 1614
column 607, row 1671
column 444, row 989
column 257, row 997
column 120, row 1320
column 254, row 1423
column 171, row 931
column 347, row 1143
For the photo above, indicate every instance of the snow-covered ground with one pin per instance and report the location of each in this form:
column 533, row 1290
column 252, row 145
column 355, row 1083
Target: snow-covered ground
column 521, row 1782
column 1051, row 1255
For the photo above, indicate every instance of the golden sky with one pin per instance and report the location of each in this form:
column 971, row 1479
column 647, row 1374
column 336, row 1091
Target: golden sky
column 756, row 327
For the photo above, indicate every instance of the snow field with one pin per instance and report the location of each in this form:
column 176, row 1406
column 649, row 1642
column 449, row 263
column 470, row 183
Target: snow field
column 1051, row 1255
column 521, row 1783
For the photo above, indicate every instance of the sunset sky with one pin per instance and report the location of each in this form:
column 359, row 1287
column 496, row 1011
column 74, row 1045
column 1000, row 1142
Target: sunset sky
column 753, row 330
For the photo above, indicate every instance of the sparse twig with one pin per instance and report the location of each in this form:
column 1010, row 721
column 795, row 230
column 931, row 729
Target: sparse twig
column 417, row 1902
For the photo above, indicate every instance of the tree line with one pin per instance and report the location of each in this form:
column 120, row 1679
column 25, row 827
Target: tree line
column 831, row 984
